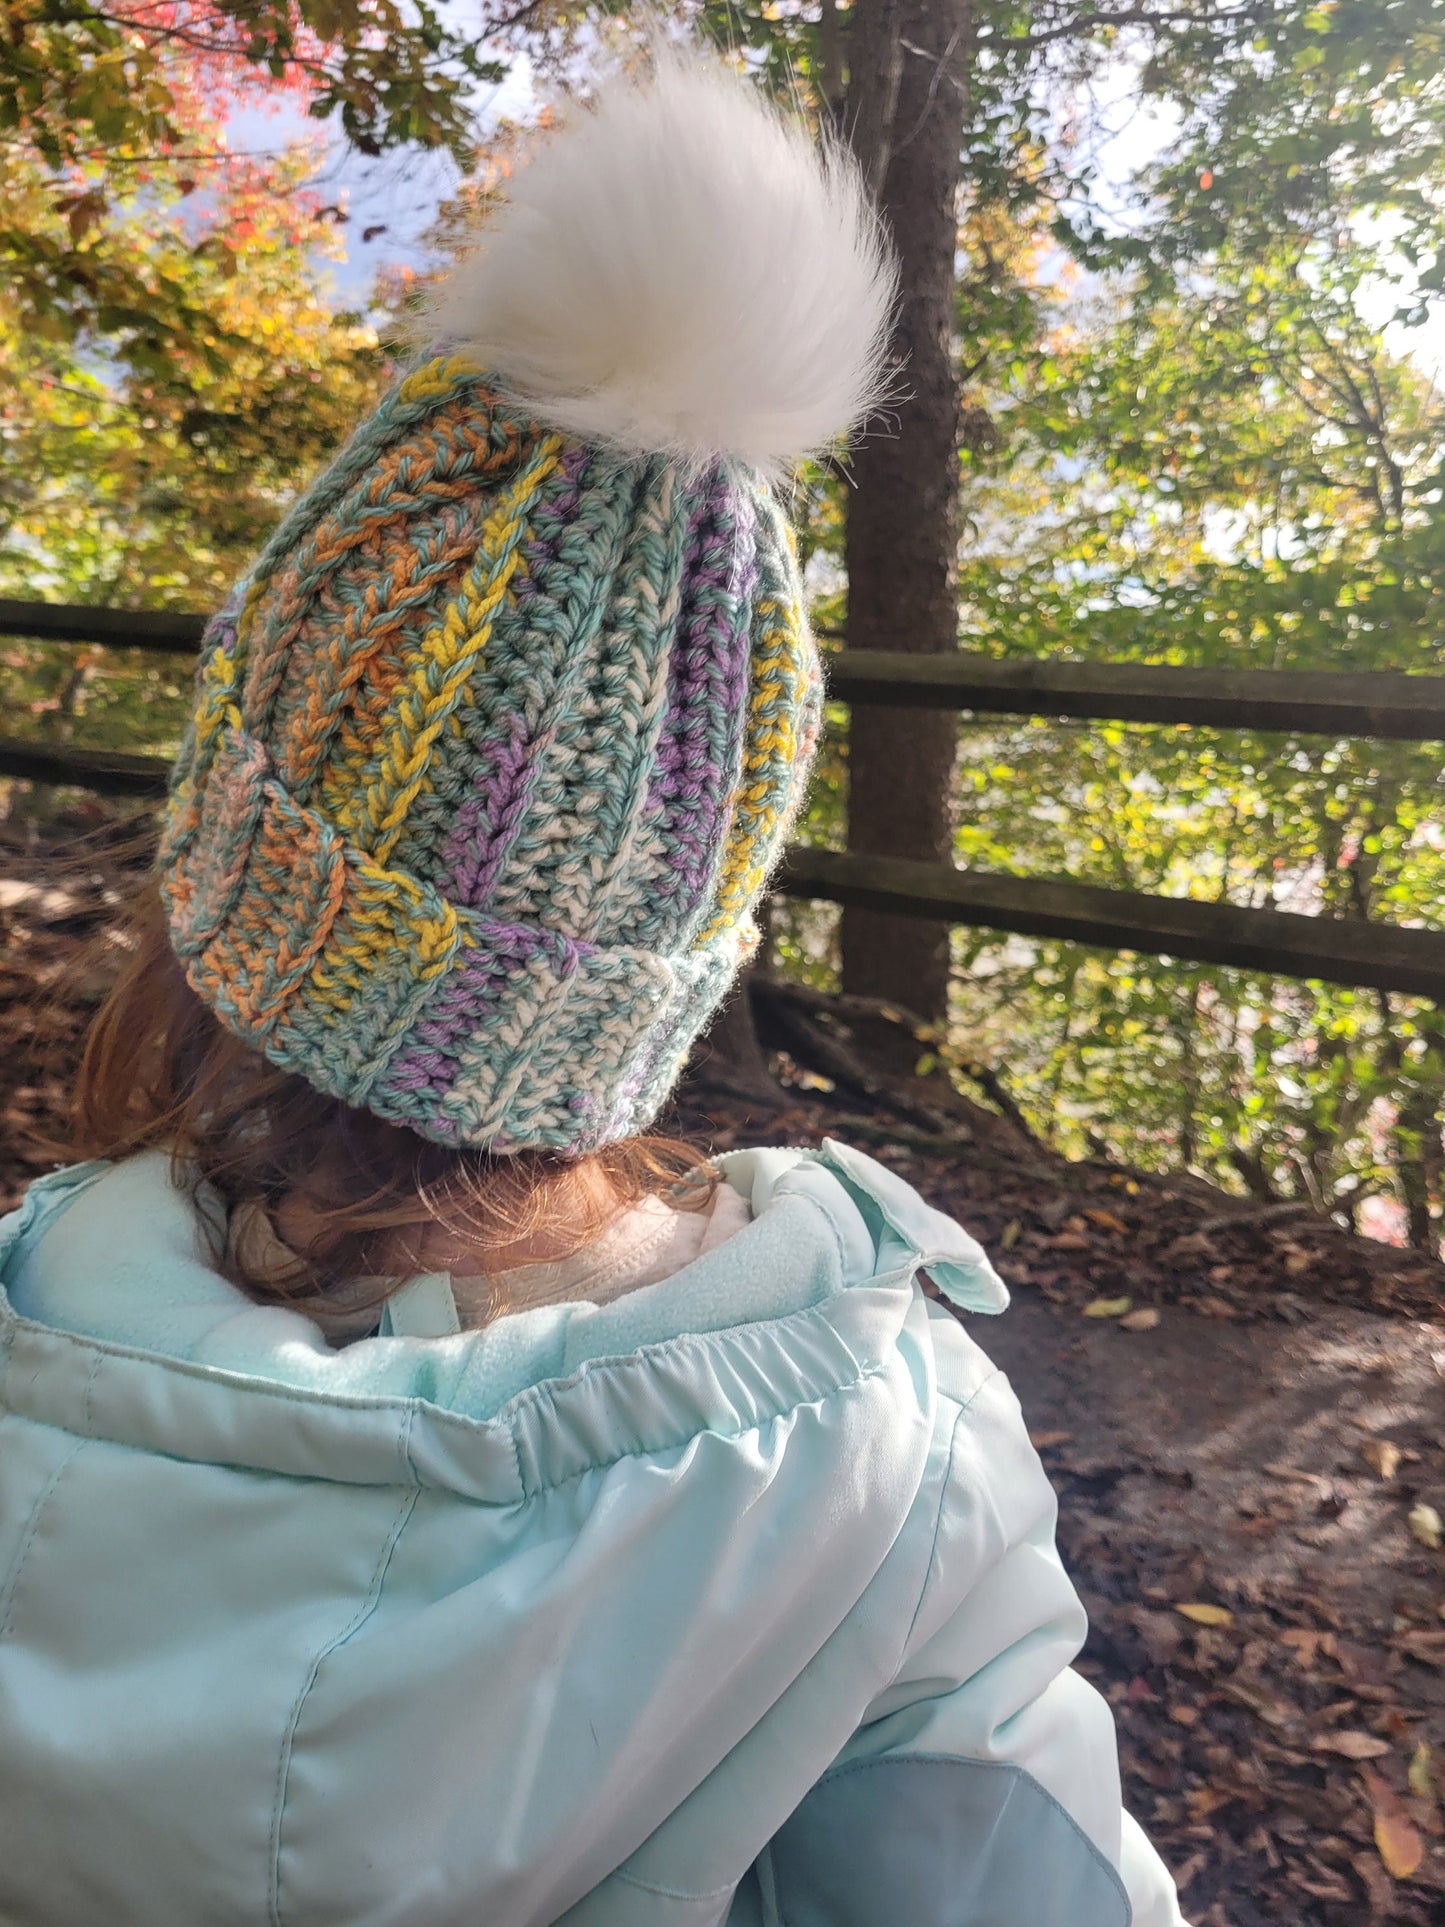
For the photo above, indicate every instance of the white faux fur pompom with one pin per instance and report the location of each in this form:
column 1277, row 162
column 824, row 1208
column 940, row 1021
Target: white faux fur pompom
column 679, row 271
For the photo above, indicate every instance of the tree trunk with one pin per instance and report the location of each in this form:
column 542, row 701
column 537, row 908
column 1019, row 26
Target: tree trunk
column 908, row 63
column 1420, row 1151
column 728, row 1056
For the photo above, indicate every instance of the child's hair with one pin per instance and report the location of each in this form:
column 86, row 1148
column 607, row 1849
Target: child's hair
column 159, row 1072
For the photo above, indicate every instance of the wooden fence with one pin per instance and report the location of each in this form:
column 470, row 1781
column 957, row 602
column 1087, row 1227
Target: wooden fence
column 1367, row 955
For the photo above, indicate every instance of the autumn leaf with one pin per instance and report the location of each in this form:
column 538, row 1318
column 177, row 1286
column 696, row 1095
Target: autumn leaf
column 1351, row 1744
column 1307, row 1643
column 1107, row 1221
column 1146, row 1319
column 1419, row 1774
column 1396, row 1836
column 1426, row 1526
column 1203, row 1614
column 1107, row 1307
column 1382, row 1455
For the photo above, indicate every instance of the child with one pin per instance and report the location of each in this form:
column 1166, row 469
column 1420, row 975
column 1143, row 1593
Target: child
column 423, row 1499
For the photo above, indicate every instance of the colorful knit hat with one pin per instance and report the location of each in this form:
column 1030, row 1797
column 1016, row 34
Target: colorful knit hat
column 495, row 745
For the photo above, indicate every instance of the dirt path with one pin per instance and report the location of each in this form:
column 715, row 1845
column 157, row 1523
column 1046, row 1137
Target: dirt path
column 1208, row 1464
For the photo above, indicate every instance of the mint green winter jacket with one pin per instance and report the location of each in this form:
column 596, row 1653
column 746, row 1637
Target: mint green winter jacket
column 733, row 1601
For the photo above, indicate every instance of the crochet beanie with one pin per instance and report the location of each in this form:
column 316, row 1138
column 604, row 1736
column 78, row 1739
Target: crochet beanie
column 496, row 743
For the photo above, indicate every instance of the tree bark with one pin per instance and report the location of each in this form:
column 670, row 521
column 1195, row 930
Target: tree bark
column 907, row 101
column 1420, row 1152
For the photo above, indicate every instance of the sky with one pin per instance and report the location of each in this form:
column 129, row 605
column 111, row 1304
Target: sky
column 390, row 202
column 1131, row 133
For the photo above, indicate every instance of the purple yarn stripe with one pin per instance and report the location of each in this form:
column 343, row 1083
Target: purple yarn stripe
column 471, row 858
column 477, row 986
column 708, row 693
column 501, row 799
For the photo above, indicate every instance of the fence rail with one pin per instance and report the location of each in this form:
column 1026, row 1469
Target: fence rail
column 109, row 772
column 1363, row 954
column 173, row 632
column 1298, row 701
column 1335, row 950
column 1301, row 702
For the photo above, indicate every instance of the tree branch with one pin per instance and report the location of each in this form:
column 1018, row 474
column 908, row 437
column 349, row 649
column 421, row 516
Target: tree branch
column 1084, row 24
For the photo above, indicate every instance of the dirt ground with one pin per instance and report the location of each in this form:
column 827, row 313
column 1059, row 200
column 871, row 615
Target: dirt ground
column 1236, row 1482
column 1242, row 1416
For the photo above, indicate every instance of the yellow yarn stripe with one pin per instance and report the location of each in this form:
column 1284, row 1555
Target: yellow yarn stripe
column 780, row 680
column 433, row 379
column 447, row 658
column 385, row 907
column 217, row 701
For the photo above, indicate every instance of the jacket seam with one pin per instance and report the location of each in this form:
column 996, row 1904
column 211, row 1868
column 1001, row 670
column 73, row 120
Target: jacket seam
column 47, row 1200
column 672, row 1893
column 7, row 1347
column 737, row 1431
column 1020, row 1773
column 10, row 1593
column 368, row 1606
column 654, row 1351
column 12, row 1323
column 825, row 1212
column 964, row 1408
column 102, row 1352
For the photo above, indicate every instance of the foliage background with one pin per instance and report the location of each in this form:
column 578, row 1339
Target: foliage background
column 1199, row 427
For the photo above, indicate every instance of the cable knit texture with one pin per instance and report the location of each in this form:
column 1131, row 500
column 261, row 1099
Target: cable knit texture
column 491, row 755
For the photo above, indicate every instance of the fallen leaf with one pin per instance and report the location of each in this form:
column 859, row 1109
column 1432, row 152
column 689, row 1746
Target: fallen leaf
column 1143, row 1320
column 1427, row 1526
column 1204, row 1800
column 1216, row 1308
column 1009, row 1236
column 1271, row 1711
column 1396, row 1837
column 1041, row 1441
column 1298, row 1261
column 1320, row 1883
column 1419, row 1774
column 1107, row 1307
column 1294, row 1476
column 1107, row 1221
column 1382, row 1455
column 1426, row 1646
column 1183, row 1715
column 1193, row 1244
column 1069, row 1241
column 1204, row 1614
column 1351, row 1744
column 1307, row 1643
